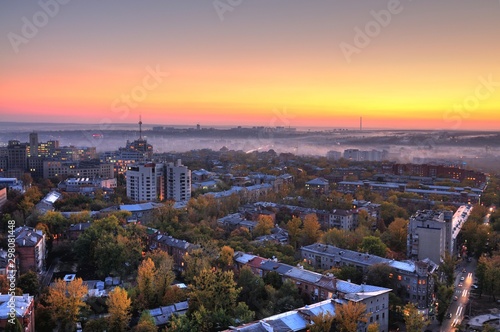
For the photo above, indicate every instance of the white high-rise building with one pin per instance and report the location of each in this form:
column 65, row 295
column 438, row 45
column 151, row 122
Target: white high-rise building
column 145, row 182
column 177, row 182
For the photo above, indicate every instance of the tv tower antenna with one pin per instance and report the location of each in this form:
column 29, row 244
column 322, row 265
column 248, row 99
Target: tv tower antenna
column 140, row 127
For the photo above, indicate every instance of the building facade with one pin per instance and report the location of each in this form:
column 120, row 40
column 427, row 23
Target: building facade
column 31, row 249
column 431, row 234
column 177, row 182
column 87, row 169
column 145, row 182
column 177, row 249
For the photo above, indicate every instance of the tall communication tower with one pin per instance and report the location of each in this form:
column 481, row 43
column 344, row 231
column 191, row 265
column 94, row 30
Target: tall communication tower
column 140, row 127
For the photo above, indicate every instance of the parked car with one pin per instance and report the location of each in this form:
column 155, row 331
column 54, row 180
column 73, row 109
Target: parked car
column 475, row 286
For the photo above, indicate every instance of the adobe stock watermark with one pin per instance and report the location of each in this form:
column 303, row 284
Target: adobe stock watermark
column 130, row 100
column 460, row 111
column 224, row 6
column 12, row 272
column 372, row 29
column 30, row 28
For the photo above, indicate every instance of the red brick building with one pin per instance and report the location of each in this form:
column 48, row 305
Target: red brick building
column 30, row 249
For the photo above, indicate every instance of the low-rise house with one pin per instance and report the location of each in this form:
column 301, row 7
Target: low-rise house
column 177, row 249
column 12, row 184
column 140, row 212
column 372, row 209
column 201, row 175
column 162, row 315
column 86, row 185
column 319, row 185
column 235, row 190
column 235, row 221
column 205, row 185
column 257, row 191
column 337, row 218
column 75, row 230
column 47, row 203
column 278, row 235
column 342, row 219
column 254, row 213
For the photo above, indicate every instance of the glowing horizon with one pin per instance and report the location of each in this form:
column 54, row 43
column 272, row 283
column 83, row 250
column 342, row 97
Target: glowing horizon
column 85, row 66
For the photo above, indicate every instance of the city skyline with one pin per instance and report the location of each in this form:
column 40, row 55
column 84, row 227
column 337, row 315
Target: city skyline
column 398, row 64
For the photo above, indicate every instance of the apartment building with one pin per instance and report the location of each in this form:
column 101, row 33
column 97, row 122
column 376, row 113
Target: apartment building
column 30, row 248
column 177, row 182
column 431, row 234
column 145, row 182
column 318, row 287
column 412, row 281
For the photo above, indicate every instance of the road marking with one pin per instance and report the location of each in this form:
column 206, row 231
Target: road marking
column 459, row 310
column 469, row 275
column 464, row 294
column 455, row 322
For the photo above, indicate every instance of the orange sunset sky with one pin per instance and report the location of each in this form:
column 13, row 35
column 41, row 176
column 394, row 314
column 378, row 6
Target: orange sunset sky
column 434, row 65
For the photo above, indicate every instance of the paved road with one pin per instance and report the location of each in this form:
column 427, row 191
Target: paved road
column 47, row 277
column 461, row 295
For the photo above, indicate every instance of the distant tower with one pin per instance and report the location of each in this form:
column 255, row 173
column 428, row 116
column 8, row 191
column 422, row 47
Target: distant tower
column 198, row 127
column 140, row 127
column 360, row 123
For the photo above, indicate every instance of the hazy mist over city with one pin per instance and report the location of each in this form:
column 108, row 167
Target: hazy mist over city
column 462, row 147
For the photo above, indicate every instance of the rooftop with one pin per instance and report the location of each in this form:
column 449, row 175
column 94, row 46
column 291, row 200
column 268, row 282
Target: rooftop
column 318, row 182
column 139, row 207
column 360, row 258
column 21, row 308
